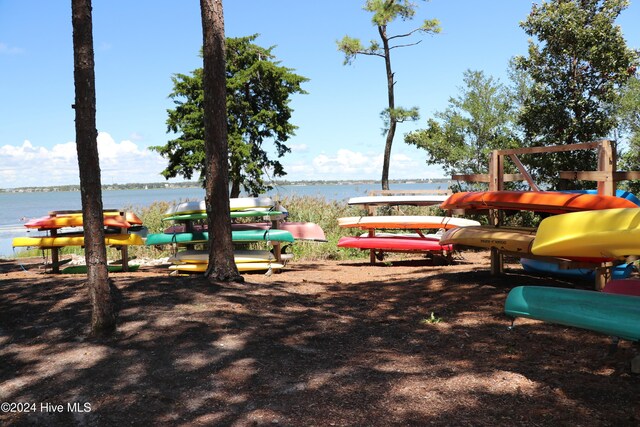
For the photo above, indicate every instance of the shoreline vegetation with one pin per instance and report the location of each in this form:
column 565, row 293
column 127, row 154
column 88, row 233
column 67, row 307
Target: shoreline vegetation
column 196, row 184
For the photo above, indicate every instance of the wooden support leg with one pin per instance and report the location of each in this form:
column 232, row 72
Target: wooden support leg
column 372, row 253
column 124, row 250
column 603, row 275
column 497, row 262
column 55, row 260
column 277, row 251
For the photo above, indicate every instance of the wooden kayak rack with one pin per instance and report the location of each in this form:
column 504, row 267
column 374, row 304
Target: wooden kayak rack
column 372, row 210
column 55, row 251
column 606, row 176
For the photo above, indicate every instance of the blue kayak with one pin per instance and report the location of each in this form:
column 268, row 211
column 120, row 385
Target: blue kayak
column 621, row 271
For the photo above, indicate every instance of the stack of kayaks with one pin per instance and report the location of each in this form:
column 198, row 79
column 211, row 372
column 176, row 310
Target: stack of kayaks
column 190, row 228
column 399, row 242
column 196, row 261
column 62, row 229
column 587, row 227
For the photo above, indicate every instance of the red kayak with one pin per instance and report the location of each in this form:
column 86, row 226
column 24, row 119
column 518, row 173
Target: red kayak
column 623, row 287
column 538, row 201
column 394, row 243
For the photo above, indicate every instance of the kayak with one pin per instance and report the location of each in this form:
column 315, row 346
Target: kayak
column 537, row 201
column 203, row 237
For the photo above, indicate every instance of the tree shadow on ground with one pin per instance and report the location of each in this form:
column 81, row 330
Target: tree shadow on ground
column 421, row 345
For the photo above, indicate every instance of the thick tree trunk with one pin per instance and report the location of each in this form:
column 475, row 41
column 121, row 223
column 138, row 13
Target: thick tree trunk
column 221, row 263
column 103, row 319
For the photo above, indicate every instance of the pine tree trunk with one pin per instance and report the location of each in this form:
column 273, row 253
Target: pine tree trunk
column 382, row 30
column 103, row 319
column 222, row 266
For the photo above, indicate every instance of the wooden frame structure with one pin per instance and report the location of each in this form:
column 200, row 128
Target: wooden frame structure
column 606, row 176
column 372, row 210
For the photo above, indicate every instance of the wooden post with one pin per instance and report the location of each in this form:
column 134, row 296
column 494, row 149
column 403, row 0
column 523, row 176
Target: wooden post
column 607, row 164
column 372, row 252
column 496, row 183
column 603, row 275
column 55, row 255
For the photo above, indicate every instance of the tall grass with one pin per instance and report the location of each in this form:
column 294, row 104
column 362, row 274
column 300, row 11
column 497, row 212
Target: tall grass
column 324, row 213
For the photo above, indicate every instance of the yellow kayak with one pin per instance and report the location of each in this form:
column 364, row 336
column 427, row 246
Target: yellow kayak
column 75, row 240
column 245, row 266
column 502, row 238
column 239, row 256
column 609, row 233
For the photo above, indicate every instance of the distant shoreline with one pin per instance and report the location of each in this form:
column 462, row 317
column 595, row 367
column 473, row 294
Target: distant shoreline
column 196, row 184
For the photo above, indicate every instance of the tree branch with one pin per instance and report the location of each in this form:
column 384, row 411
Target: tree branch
column 397, row 36
column 405, row 45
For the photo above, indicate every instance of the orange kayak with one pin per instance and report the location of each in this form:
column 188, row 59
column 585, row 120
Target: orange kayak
column 539, row 201
column 53, row 222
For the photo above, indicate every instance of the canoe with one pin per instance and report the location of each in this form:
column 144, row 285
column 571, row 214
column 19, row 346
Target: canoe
column 202, row 256
column 203, row 237
column 235, row 204
column 610, row 314
column 612, row 233
column 299, row 230
column 619, row 193
column 623, row 287
column 82, row 269
column 411, row 222
column 75, row 240
column 538, row 201
column 621, row 271
column 417, row 200
column 393, row 243
column 502, row 238
column 55, row 222
column 246, row 266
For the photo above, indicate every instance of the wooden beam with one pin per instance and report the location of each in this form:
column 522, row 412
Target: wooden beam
column 524, row 172
column 599, row 176
column 483, row 177
column 551, row 149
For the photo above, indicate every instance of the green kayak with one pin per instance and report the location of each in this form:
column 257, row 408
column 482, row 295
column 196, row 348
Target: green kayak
column 236, row 236
column 82, row 269
column 610, row 314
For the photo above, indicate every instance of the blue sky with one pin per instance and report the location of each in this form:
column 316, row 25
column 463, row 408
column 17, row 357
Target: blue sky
column 140, row 44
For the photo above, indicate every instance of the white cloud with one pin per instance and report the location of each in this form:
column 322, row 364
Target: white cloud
column 5, row 49
column 347, row 164
column 123, row 162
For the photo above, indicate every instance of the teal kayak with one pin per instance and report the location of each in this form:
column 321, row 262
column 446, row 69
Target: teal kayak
column 236, row 236
column 610, row 314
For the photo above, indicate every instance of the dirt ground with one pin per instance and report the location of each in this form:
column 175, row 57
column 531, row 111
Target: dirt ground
column 402, row 343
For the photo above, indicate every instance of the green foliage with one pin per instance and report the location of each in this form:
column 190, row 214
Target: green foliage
column 577, row 69
column 259, row 92
column 399, row 115
column 479, row 120
column 325, row 214
column 431, row 320
column 629, row 115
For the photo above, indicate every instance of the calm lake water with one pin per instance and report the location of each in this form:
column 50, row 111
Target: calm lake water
column 16, row 207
